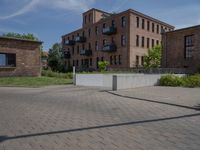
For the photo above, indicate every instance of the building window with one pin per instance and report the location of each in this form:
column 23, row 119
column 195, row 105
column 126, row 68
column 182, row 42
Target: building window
column 143, row 23
column 119, row 57
column 96, row 46
column 137, row 61
column 77, row 49
column 115, row 60
column 189, row 46
column 85, row 19
column 113, row 23
column 90, row 61
column 137, row 40
column 157, row 42
column 83, row 46
column 158, row 28
column 142, row 41
column 89, row 32
column 82, row 62
column 73, row 63
column 148, row 42
column 152, row 43
column 73, row 50
column 142, row 60
column 148, row 25
column 104, row 25
column 123, row 21
column 138, row 22
column 153, row 26
column 72, row 37
column 96, row 30
column 89, row 46
column 123, row 40
column 97, row 61
column 89, row 17
column 83, row 33
column 104, row 42
column 77, row 63
column 7, row 60
column 111, row 60
column 102, row 58
column 161, row 29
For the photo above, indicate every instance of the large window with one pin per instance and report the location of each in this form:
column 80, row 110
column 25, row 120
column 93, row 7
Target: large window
column 189, row 46
column 7, row 60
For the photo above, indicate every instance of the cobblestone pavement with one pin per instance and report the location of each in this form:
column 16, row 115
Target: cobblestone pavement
column 80, row 118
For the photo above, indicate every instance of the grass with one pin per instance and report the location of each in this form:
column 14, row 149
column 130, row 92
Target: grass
column 33, row 81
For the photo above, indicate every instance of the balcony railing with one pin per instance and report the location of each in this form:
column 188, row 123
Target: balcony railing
column 86, row 52
column 109, row 48
column 80, row 39
column 109, row 30
column 69, row 42
column 67, row 55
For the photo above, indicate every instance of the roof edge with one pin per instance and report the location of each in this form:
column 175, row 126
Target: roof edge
column 27, row 40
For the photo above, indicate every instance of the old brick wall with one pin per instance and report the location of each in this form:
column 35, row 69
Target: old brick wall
column 174, row 48
column 27, row 57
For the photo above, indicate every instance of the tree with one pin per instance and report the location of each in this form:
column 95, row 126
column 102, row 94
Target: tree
column 27, row 36
column 153, row 59
column 55, row 59
column 103, row 65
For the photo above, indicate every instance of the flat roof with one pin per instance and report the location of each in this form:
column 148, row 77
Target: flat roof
column 18, row 39
column 186, row 28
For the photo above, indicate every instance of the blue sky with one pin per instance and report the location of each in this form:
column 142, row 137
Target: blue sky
column 49, row 19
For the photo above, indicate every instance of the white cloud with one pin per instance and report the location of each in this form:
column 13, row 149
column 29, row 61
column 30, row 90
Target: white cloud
column 74, row 5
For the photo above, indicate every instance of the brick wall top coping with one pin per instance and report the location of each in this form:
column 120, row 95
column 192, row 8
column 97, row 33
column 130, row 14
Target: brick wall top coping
column 18, row 39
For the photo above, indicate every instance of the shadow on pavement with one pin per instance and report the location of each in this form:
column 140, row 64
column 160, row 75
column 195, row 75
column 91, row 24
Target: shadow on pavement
column 154, row 101
column 5, row 138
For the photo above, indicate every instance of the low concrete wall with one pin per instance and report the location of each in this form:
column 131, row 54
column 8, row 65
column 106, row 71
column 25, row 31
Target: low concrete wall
column 118, row 81
column 98, row 80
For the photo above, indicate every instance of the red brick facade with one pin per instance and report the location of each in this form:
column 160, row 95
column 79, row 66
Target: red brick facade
column 19, row 57
column 181, row 48
column 112, row 37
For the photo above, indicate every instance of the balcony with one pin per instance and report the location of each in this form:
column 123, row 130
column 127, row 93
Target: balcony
column 109, row 48
column 80, row 39
column 69, row 42
column 67, row 55
column 86, row 52
column 109, row 30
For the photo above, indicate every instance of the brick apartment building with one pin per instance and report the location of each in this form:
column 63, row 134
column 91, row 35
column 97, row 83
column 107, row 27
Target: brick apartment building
column 121, row 39
column 19, row 57
column 181, row 48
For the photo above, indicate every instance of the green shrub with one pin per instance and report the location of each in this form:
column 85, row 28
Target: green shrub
column 171, row 80
column 49, row 73
column 103, row 65
column 192, row 81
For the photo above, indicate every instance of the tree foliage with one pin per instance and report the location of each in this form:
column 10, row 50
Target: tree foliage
column 153, row 59
column 55, row 58
column 27, row 36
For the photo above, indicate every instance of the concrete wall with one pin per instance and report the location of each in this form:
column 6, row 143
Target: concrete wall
column 98, row 80
column 118, row 81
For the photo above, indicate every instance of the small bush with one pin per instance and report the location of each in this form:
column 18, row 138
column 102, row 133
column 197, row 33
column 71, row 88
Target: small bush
column 49, row 73
column 103, row 65
column 192, row 81
column 171, row 80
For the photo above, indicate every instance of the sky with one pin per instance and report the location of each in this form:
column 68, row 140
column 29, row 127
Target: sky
column 50, row 19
